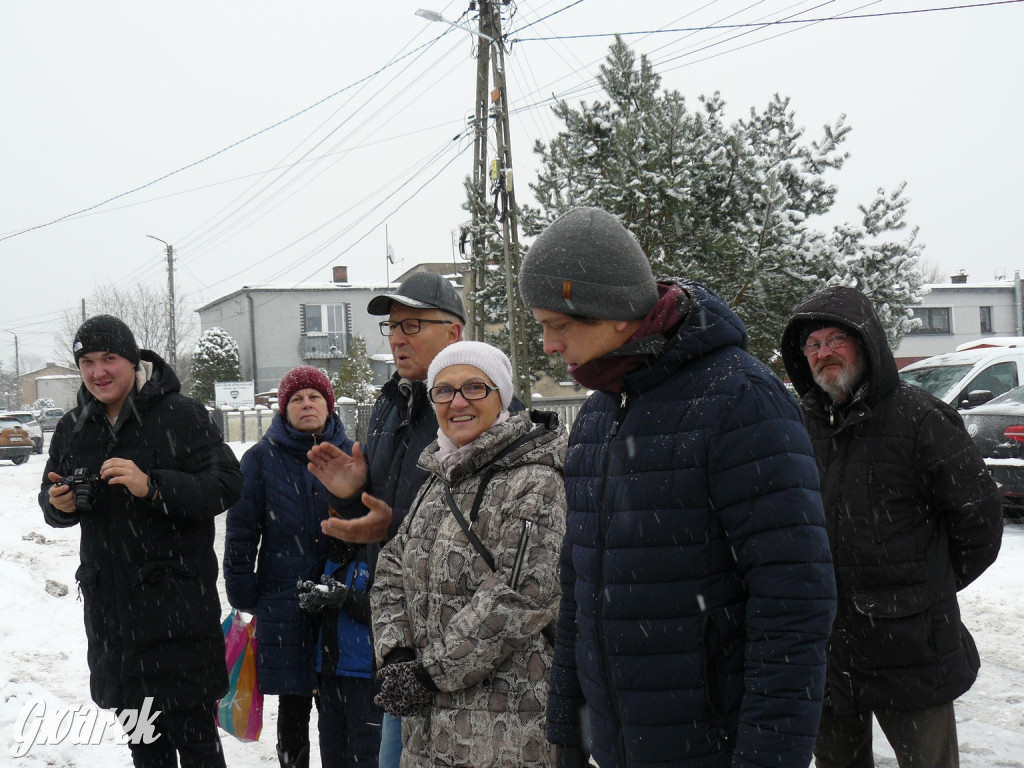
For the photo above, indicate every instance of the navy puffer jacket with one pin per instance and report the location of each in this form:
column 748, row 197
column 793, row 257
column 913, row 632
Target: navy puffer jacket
column 697, row 586
column 273, row 539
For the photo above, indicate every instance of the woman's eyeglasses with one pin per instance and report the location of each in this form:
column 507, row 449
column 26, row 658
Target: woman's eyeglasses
column 474, row 390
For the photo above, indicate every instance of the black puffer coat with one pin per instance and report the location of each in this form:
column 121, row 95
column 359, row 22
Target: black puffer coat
column 913, row 516
column 148, row 573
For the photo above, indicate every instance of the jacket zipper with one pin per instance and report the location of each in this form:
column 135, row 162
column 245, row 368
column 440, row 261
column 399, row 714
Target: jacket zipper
column 601, row 519
column 520, row 554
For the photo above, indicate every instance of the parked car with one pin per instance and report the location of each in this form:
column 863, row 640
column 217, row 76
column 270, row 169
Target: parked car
column 15, row 443
column 968, row 378
column 28, row 421
column 49, row 417
column 998, row 430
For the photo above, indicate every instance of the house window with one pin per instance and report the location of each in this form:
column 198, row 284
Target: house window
column 986, row 319
column 933, row 319
column 324, row 331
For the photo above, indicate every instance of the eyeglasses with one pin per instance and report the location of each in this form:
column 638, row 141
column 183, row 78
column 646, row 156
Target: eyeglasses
column 474, row 390
column 838, row 341
column 410, row 327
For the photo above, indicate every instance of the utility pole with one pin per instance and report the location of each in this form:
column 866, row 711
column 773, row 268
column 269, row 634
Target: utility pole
column 480, row 175
column 172, row 335
column 17, row 374
column 491, row 55
column 501, row 180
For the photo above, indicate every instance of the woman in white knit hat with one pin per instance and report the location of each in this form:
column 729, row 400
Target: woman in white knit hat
column 466, row 591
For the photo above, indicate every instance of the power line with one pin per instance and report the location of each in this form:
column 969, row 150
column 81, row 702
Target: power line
column 220, row 151
column 759, row 24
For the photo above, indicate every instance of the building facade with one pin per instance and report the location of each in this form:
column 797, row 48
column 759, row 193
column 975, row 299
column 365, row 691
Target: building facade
column 280, row 327
column 960, row 312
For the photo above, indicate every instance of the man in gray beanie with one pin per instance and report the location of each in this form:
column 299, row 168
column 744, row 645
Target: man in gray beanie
column 697, row 586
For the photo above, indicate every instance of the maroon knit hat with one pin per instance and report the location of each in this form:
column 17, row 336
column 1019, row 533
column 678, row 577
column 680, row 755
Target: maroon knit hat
column 304, row 377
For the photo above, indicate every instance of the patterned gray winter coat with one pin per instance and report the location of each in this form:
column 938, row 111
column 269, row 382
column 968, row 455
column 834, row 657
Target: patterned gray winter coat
column 477, row 632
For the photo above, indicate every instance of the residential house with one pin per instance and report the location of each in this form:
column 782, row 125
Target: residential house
column 958, row 312
column 279, row 327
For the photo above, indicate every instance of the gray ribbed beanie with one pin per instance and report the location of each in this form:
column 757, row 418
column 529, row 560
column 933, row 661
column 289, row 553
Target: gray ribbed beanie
column 587, row 264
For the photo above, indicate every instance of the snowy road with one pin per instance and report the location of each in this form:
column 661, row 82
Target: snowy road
column 42, row 645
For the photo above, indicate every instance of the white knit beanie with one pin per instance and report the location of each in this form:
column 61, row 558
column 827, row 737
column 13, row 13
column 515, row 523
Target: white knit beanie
column 491, row 360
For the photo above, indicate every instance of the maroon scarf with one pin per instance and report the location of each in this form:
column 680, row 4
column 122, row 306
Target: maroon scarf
column 605, row 373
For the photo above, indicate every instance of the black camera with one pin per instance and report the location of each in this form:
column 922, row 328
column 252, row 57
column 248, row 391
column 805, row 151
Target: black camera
column 83, row 485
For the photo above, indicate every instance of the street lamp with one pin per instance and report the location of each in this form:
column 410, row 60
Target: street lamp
column 172, row 335
column 423, row 13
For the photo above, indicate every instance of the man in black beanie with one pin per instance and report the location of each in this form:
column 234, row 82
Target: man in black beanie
column 144, row 471
column 697, row 586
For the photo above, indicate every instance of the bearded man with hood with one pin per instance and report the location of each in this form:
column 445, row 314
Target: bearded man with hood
column 913, row 517
column 697, row 589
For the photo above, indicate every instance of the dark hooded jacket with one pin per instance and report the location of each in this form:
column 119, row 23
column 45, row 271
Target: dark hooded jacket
column 148, row 573
column 913, row 516
column 697, row 588
column 273, row 540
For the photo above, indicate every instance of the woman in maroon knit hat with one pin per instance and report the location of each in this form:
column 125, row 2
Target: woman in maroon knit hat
column 273, row 542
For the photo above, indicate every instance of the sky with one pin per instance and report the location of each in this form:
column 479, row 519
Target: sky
column 43, row 648
column 268, row 142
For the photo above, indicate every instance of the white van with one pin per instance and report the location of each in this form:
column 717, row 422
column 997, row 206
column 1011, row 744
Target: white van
column 968, row 378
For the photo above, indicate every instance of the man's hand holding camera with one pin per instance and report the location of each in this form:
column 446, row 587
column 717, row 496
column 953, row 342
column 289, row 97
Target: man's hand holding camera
column 113, row 472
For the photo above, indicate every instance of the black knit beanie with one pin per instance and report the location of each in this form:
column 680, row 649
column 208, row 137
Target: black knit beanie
column 588, row 265
column 105, row 333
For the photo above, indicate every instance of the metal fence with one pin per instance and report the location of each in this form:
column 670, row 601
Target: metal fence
column 250, row 426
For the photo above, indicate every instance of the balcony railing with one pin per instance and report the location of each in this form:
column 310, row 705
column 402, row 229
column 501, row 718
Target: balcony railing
column 323, row 346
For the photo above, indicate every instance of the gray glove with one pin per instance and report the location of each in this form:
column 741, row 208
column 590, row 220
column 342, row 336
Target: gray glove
column 401, row 692
column 329, row 593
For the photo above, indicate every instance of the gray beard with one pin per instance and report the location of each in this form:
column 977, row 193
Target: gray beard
column 840, row 388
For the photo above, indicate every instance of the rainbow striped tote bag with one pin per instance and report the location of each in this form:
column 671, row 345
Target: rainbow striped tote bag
column 240, row 712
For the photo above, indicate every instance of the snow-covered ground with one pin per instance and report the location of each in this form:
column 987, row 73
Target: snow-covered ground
column 42, row 646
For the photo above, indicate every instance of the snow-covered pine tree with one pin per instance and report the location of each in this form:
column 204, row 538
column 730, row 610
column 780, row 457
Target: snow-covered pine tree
column 731, row 205
column 215, row 358
column 889, row 271
column 354, row 378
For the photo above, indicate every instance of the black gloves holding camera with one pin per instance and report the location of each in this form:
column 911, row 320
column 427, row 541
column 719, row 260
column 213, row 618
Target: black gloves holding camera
column 404, row 689
column 329, row 593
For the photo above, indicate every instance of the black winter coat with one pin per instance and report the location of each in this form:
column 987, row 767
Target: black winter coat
column 273, row 540
column 148, row 573
column 697, row 588
column 913, row 516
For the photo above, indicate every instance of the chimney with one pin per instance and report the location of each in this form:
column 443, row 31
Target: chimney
column 959, row 278
column 341, row 274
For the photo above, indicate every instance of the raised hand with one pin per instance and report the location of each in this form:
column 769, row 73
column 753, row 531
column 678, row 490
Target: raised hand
column 341, row 474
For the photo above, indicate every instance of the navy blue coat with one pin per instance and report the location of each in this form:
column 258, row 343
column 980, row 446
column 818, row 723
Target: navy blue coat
column 273, row 539
column 697, row 585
